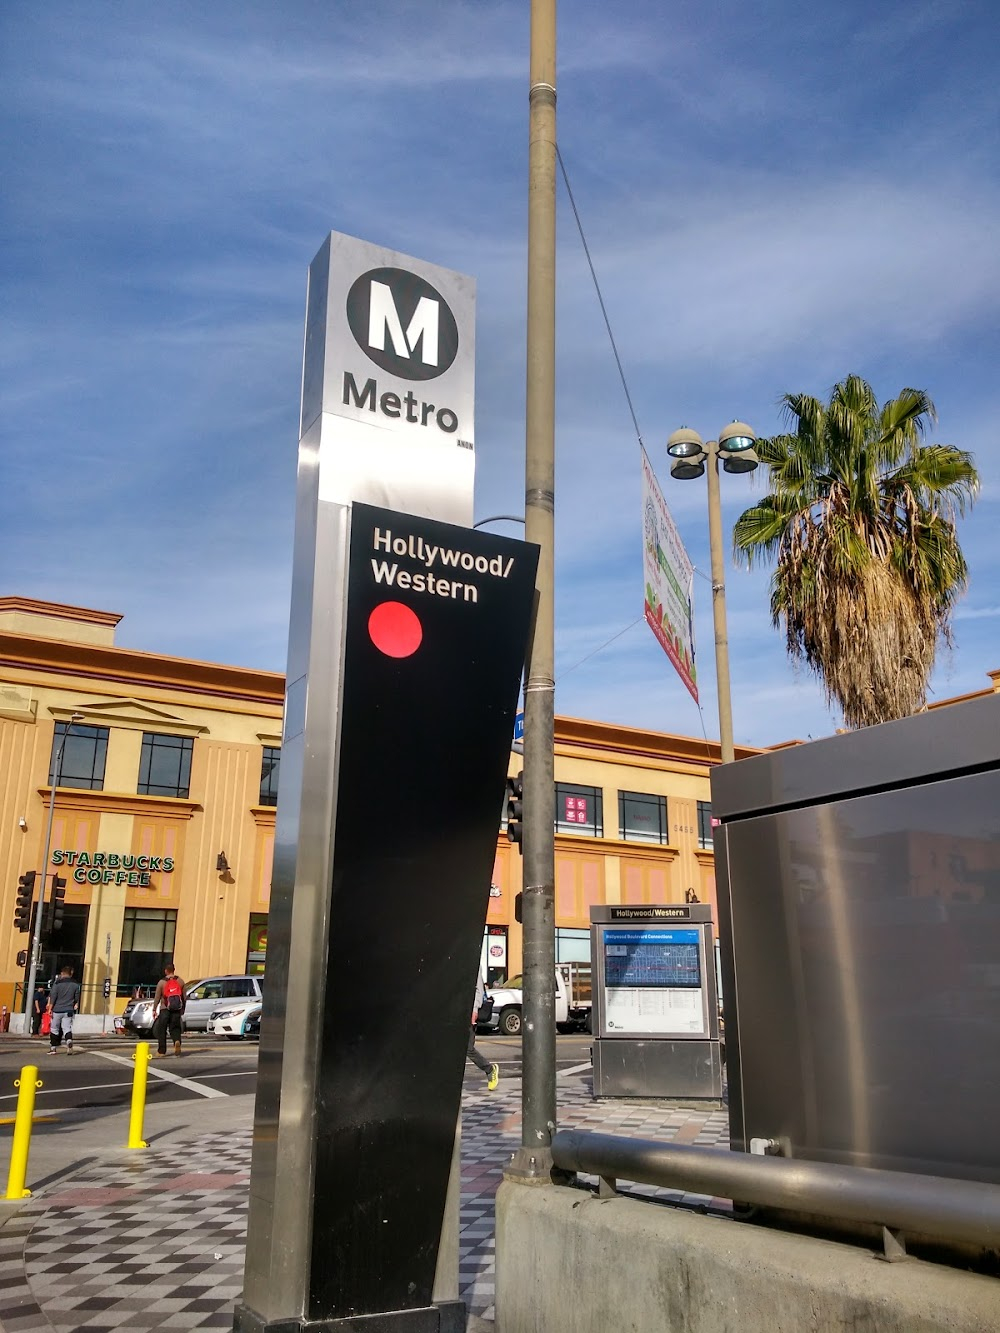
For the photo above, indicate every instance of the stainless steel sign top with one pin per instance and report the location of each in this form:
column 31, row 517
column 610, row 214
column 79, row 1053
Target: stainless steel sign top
column 389, row 380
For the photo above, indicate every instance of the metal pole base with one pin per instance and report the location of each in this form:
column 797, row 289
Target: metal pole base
column 534, row 1166
column 445, row 1317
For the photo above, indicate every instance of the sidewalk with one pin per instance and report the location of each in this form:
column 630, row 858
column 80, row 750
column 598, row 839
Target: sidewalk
column 113, row 1240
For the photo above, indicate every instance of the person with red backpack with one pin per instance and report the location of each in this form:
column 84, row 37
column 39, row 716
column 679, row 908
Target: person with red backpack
column 168, row 1008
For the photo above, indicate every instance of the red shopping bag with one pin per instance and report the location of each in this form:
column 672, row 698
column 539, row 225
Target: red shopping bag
column 46, row 1023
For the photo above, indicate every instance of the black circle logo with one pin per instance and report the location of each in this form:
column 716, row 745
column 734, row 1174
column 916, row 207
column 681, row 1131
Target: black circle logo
column 402, row 323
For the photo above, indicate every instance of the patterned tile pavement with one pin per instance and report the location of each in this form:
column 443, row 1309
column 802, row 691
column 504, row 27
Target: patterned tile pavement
column 156, row 1242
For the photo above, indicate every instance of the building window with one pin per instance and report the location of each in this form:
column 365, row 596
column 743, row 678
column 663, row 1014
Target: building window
column 270, row 764
column 147, row 946
column 165, row 765
column 494, row 955
column 642, row 818
column 705, row 829
column 84, row 755
column 572, row 946
column 579, row 810
column 257, row 944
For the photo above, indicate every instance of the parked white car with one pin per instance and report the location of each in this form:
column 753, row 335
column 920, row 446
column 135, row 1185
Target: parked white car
column 236, row 1021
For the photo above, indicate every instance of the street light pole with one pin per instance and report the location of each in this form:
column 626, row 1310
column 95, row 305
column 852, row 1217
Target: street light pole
column 690, row 455
column 719, row 605
column 36, row 943
column 538, row 1105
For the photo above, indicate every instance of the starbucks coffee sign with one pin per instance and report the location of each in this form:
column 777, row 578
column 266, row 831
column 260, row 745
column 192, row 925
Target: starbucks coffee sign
column 113, row 867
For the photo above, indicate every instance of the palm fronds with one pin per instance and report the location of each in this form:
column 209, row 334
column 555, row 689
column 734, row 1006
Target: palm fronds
column 860, row 520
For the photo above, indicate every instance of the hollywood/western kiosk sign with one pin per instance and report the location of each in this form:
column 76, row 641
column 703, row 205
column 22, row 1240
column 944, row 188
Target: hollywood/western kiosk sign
column 406, row 646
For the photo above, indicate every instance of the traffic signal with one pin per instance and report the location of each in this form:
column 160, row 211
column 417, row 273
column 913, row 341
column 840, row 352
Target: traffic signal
column 515, row 811
column 57, row 908
column 25, row 896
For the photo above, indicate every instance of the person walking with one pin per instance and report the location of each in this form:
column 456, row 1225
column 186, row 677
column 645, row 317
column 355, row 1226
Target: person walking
column 64, row 1001
column 492, row 1071
column 169, row 1004
column 39, row 1003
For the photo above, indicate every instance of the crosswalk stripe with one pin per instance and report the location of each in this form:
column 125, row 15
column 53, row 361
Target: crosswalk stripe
column 202, row 1089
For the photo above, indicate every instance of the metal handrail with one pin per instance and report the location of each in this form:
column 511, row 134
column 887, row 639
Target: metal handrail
column 964, row 1211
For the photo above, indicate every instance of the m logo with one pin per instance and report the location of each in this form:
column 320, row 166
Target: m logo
column 402, row 323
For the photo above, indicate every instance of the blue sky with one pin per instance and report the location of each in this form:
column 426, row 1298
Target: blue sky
column 773, row 197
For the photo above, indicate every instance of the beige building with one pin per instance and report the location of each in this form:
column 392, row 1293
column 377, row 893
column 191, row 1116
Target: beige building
column 163, row 826
column 633, row 825
column 168, row 770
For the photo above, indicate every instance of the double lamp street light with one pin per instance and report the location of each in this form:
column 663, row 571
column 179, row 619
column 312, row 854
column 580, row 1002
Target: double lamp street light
column 691, row 458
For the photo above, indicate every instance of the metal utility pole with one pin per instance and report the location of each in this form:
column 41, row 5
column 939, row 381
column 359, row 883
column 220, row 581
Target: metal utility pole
column 36, row 942
column 719, row 605
column 534, row 1159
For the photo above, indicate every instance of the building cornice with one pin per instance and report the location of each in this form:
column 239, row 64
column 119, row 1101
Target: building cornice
column 651, row 851
column 114, row 803
column 126, row 666
column 579, row 734
column 60, row 611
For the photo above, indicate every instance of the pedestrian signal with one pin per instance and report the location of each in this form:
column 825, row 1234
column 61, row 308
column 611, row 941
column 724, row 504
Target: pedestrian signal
column 25, row 896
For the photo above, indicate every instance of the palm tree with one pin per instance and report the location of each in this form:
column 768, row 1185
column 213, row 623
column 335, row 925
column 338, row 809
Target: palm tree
column 860, row 518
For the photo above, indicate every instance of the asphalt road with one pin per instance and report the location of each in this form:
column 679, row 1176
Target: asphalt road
column 97, row 1078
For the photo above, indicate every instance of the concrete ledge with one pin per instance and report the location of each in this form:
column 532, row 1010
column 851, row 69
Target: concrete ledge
column 570, row 1263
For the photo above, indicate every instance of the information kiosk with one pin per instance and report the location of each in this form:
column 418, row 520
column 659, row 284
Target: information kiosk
column 656, row 1009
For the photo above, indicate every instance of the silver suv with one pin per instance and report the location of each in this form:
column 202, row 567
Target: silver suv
column 202, row 1000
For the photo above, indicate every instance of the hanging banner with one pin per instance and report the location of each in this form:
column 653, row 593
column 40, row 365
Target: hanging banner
column 668, row 575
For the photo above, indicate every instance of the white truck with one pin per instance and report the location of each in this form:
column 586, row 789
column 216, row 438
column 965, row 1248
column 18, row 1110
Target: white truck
column 573, row 1001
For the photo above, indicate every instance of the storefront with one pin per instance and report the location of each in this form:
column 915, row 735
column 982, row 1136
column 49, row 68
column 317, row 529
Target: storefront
column 163, row 821
column 257, row 944
column 494, row 962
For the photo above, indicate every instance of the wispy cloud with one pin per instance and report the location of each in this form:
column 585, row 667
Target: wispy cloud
column 773, row 198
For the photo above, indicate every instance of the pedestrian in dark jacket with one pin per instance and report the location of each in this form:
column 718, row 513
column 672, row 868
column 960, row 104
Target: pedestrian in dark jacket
column 169, row 1004
column 39, row 1003
column 64, row 1001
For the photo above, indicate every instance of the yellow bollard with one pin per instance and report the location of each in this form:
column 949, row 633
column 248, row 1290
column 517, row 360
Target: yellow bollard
column 26, row 1084
column 135, row 1139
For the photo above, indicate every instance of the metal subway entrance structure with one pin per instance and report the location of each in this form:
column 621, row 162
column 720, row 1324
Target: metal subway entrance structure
column 406, row 646
column 859, row 900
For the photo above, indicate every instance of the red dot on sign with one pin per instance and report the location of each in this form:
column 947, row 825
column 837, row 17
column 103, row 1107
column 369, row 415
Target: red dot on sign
column 395, row 630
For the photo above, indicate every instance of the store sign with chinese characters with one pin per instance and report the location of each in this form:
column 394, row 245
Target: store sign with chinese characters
column 113, row 867
column 575, row 811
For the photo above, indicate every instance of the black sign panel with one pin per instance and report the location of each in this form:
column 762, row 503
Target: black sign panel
column 437, row 623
